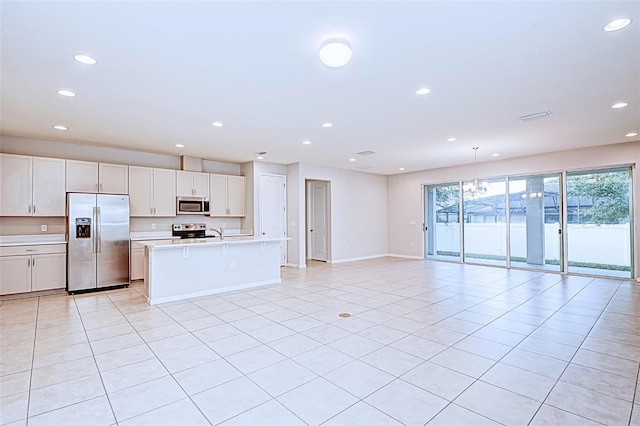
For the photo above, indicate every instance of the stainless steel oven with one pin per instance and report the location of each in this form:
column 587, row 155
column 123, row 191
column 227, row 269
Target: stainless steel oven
column 192, row 205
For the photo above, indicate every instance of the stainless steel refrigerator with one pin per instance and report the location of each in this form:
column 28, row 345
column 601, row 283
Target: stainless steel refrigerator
column 98, row 241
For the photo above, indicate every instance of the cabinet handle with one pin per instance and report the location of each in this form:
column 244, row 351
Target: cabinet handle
column 100, row 187
column 34, row 209
column 151, row 208
column 29, row 209
column 33, row 261
column 96, row 185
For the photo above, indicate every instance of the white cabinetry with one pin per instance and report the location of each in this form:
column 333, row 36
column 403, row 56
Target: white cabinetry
column 152, row 192
column 227, row 195
column 192, row 184
column 32, row 268
column 31, row 186
column 86, row 176
column 137, row 260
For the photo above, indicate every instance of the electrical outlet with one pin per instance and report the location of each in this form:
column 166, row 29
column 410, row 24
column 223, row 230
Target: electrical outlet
column 411, row 244
column 43, row 228
column 153, row 226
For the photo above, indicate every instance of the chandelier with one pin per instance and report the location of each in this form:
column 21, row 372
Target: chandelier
column 475, row 189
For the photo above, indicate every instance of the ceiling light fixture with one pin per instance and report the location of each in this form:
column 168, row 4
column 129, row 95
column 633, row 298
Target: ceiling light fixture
column 631, row 134
column 335, row 52
column 84, row 59
column 475, row 189
column 620, row 105
column 495, row 155
column 179, row 145
column 260, row 157
column 616, row 25
column 306, row 142
column 65, row 92
column 217, row 124
column 59, row 127
column 423, row 91
column 401, row 169
column 352, row 159
column 451, row 140
column 327, row 125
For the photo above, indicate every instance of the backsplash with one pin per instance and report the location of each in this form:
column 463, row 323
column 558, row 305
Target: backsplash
column 32, row 225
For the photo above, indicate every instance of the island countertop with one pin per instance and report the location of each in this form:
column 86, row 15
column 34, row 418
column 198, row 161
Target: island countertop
column 208, row 241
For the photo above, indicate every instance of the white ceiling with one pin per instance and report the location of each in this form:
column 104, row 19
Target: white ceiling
column 167, row 70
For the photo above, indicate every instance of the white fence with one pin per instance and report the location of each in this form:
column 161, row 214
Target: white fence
column 608, row 244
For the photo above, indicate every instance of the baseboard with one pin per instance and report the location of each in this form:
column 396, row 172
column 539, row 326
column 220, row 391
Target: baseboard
column 355, row 259
column 405, row 256
column 295, row 265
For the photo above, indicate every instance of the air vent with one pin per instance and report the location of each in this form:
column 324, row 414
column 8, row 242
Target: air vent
column 261, row 152
column 535, row 116
column 365, row 153
column 363, row 167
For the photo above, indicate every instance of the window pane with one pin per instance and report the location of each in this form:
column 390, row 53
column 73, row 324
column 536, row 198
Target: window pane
column 442, row 237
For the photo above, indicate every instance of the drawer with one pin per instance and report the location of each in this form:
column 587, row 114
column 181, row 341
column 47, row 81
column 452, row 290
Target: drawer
column 34, row 249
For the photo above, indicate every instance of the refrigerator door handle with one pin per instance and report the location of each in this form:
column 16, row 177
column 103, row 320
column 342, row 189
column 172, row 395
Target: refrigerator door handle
column 94, row 248
column 98, row 232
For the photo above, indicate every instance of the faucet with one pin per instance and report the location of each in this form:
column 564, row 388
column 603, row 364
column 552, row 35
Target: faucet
column 219, row 231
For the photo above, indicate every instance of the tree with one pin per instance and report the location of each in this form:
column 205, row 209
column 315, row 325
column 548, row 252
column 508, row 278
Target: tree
column 607, row 196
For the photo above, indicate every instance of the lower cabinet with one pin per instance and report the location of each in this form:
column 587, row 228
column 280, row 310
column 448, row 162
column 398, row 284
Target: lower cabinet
column 32, row 268
column 137, row 261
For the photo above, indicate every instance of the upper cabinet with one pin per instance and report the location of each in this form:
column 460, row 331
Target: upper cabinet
column 31, row 186
column 86, row 176
column 152, row 192
column 192, row 184
column 227, row 195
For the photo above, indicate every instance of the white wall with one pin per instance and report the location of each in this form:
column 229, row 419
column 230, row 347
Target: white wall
column 358, row 209
column 405, row 190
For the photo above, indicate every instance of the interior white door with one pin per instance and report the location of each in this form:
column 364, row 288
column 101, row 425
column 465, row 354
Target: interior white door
column 273, row 210
column 317, row 226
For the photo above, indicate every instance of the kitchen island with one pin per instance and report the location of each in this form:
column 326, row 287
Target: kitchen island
column 183, row 269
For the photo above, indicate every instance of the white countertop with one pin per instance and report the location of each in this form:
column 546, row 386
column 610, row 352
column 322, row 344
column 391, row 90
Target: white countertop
column 209, row 241
column 32, row 240
column 150, row 235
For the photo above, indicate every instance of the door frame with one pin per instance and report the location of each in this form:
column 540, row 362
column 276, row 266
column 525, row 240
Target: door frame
column 307, row 233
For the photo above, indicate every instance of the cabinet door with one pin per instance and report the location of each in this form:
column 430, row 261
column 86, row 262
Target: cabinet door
column 48, row 271
column 49, row 196
column 113, row 178
column 235, row 195
column 184, row 184
column 137, row 264
column 164, row 192
column 15, row 185
column 218, row 195
column 82, row 176
column 140, row 191
column 201, row 184
column 15, row 274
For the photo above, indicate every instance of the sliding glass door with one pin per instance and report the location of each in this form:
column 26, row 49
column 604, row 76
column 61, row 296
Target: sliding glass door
column 442, row 224
column 535, row 211
column 485, row 224
column 599, row 222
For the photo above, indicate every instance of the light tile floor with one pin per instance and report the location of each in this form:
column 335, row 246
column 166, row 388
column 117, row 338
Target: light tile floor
column 427, row 343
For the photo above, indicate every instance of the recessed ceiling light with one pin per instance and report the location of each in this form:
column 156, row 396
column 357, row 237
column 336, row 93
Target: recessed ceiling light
column 179, row 145
column 217, row 124
column 423, row 91
column 64, row 92
column 306, row 142
column 618, row 24
column 84, row 59
column 260, row 157
column 352, row 159
column 495, row 155
column 401, row 169
column 335, row 53
column 327, row 125
column 58, row 127
column 451, row 140
column 620, row 105
column 632, row 134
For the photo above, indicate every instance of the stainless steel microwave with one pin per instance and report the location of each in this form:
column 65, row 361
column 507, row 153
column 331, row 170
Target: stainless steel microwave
column 192, row 205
